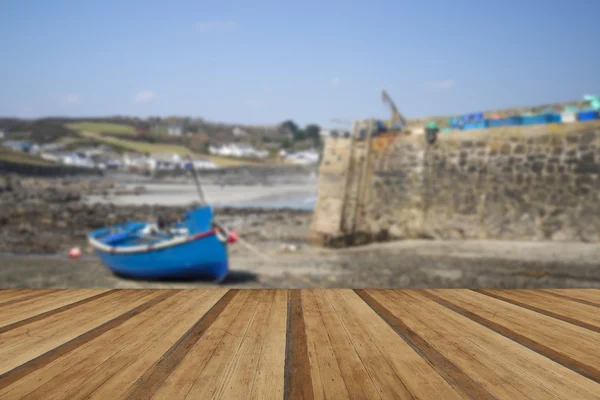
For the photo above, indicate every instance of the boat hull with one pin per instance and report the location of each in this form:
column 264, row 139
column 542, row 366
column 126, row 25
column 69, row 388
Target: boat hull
column 204, row 258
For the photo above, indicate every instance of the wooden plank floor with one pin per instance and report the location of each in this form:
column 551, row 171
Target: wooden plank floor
column 300, row 344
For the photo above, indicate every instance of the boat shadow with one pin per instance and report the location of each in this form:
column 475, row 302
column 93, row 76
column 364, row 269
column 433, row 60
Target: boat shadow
column 233, row 278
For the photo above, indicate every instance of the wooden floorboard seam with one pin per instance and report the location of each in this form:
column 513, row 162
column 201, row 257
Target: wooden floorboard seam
column 444, row 367
column 347, row 333
column 297, row 376
column 540, row 310
column 55, row 311
column 155, row 376
column 9, row 302
column 564, row 296
column 319, row 343
column 42, row 360
column 560, row 358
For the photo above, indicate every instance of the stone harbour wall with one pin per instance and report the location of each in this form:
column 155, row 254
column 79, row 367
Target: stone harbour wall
column 516, row 183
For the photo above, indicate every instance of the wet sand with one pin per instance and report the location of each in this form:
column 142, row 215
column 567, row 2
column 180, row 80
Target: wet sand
column 290, row 195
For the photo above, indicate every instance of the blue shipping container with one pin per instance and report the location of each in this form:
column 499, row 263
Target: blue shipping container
column 509, row 121
column 475, row 125
column 587, row 115
column 534, row 119
column 554, row 118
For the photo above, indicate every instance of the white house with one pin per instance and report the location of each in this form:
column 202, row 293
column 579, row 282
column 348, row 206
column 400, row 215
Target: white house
column 164, row 161
column 237, row 150
column 304, row 157
column 1, row 134
column 203, row 164
column 239, row 132
column 77, row 159
column 175, row 130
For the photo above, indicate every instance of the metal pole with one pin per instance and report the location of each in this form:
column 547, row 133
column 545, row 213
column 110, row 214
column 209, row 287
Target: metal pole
column 198, row 186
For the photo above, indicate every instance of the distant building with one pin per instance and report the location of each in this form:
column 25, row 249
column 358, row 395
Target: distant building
column 238, row 150
column 239, row 132
column 19, row 145
column 175, row 130
column 303, row 157
column 1, row 134
column 200, row 137
column 142, row 129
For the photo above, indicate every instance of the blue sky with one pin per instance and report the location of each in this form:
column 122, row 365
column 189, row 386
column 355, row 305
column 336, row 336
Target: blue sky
column 261, row 62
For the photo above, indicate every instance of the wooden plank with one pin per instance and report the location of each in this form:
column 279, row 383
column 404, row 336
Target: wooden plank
column 156, row 375
column 211, row 380
column 560, row 341
column 356, row 376
column 68, row 306
column 40, row 330
column 298, row 380
column 240, row 380
column 586, row 296
column 7, row 293
column 28, row 308
column 87, row 356
column 179, row 383
column 326, row 375
column 267, row 344
column 413, row 344
column 15, row 296
column 270, row 372
column 13, row 375
column 154, row 350
column 564, row 309
column 504, row 368
column 395, row 369
column 35, row 339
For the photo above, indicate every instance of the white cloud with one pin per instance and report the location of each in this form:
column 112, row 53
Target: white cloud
column 71, row 99
column 441, row 85
column 145, row 96
column 335, row 81
column 216, row 26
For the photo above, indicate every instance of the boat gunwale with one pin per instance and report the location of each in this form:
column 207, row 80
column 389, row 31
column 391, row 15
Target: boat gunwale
column 95, row 243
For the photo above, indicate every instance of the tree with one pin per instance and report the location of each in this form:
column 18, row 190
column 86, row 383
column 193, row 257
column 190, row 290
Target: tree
column 286, row 143
column 313, row 132
column 299, row 135
column 290, row 126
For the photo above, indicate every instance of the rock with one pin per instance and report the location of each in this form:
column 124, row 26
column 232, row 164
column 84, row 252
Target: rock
column 62, row 224
column 395, row 232
column 26, row 228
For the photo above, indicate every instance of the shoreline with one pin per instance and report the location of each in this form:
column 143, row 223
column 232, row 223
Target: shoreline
column 176, row 194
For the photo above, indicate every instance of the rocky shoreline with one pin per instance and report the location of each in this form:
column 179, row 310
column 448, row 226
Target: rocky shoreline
column 39, row 216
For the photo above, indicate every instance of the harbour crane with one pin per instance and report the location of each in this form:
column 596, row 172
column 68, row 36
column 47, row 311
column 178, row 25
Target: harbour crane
column 397, row 118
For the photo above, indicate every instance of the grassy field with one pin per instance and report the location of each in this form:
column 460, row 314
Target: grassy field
column 101, row 127
column 160, row 148
column 18, row 157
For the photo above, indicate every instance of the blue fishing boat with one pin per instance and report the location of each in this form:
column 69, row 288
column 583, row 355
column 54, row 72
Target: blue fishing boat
column 195, row 248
